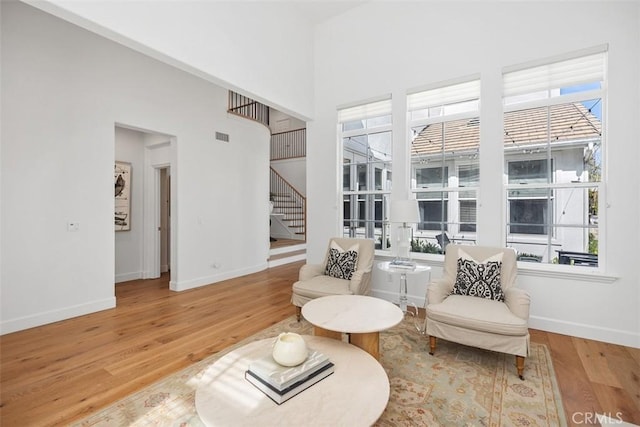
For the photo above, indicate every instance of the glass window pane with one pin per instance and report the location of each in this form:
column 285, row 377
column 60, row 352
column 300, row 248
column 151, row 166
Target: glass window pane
column 433, row 215
column 468, row 215
column 558, row 143
column 529, row 216
column 427, row 143
column 346, row 177
column 536, row 171
column 353, row 125
column 526, row 127
column 432, row 177
column 379, row 145
column 378, row 121
column 468, row 176
column 367, row 167
column 574, row 122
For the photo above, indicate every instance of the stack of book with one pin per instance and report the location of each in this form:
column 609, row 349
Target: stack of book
column 281, row 383
column 402, row 264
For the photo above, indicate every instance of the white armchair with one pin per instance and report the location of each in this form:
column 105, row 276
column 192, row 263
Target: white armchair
column 313, row 281
column 500, row 326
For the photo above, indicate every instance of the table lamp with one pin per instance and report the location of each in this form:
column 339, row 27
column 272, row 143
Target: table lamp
column 404, row 212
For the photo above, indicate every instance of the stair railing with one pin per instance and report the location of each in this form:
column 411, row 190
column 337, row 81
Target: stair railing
column 248, row 108
column 280, row 187
column 289, row 145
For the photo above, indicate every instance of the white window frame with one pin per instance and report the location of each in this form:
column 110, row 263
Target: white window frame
column 546, row 94
column 365, row 111
column 443, row 99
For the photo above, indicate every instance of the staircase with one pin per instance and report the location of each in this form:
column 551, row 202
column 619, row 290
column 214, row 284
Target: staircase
column 289, row 215
column 289, row 209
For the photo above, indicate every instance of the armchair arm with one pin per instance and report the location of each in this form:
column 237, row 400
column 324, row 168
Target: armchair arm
column 360, row 282
column 518, row 302
column 438, row 290
column 309, row 271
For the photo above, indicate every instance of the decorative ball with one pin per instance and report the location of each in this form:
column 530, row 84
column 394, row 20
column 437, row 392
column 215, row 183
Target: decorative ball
column 289, row 349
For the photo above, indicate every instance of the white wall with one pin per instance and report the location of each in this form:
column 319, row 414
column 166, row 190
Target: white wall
column 294, row 171
column 129, row 147
column 63, row 89
column 261, row 49
column 399, row 46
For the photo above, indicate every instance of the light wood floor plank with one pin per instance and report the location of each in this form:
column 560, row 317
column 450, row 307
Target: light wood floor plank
column 57, row 373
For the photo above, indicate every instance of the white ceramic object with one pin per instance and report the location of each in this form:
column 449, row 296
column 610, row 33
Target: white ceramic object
column 289, row 349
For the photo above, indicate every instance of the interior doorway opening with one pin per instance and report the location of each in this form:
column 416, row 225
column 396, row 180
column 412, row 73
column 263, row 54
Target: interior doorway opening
column 145, row 249
column 165, row 219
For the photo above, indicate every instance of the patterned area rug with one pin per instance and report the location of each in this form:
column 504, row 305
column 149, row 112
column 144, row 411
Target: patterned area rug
column 458, row 386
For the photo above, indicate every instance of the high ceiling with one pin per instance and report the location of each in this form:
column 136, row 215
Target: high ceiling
column 317, row 11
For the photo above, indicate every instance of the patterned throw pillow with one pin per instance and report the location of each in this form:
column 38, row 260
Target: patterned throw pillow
column 479, row 279
column 341, row 264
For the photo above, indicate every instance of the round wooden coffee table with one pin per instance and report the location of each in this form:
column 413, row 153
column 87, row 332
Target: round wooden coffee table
column 354, row 395
column 360, row 316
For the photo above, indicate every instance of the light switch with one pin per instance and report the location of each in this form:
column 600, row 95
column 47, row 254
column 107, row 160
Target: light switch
column 73, row 226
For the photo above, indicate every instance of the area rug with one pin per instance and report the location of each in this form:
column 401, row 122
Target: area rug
column 458, row 386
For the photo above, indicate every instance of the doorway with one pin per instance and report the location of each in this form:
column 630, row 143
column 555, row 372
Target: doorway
column 165, row 219
column 144, row 251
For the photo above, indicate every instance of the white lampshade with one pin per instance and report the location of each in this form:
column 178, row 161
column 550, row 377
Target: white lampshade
column 405, row 211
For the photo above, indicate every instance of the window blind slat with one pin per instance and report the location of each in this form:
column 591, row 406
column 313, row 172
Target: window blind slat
column 444, row 95
column 555, row 75
column 365, row 111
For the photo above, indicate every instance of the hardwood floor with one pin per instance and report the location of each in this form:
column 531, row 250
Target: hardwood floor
column 283, row 243
column 57, row 373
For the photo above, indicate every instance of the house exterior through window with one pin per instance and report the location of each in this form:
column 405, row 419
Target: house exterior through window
column 553, row 159
column 366, row 136
column 444, row 127
column 553, row 152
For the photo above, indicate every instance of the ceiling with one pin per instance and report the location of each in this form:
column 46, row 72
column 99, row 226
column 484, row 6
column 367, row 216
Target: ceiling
column 317, row 11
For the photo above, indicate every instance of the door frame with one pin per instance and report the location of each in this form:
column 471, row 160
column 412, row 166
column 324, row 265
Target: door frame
column 151, row 235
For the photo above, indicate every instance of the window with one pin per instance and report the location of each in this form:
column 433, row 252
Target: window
column 553, row 147
column 468, row 176
column 432, row 205
column 365, row 131
column 445, row 140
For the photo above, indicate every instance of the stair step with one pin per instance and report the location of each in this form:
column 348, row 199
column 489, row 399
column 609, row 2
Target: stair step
column 287, row 254
column 287, row 249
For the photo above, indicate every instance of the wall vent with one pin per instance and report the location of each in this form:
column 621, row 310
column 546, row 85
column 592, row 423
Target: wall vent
column 222, row 136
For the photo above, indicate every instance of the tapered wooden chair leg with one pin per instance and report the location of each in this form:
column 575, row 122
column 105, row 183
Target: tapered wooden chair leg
column 520, row 366
column 432, row 345
column 298, row 312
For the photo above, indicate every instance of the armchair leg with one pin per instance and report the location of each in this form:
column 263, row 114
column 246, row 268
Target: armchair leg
column 432, row 344
column 520, row 366
column 298, row 312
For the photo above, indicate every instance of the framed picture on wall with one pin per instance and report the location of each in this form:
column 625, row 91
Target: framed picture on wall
column 122, row 178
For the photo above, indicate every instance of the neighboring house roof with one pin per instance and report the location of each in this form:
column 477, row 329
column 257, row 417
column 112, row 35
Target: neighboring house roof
column 567, row 123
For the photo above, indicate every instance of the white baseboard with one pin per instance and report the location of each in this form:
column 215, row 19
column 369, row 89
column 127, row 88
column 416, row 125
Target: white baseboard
column 209, row 280
column 581, row 330
column 39, row 319
column 125, row 277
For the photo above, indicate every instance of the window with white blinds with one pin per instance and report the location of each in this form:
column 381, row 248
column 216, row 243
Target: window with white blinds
column 553, row 154
column 365, row 111
column 550, row 78
column 365, row 132
column 444, row 130
column 457, row 98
